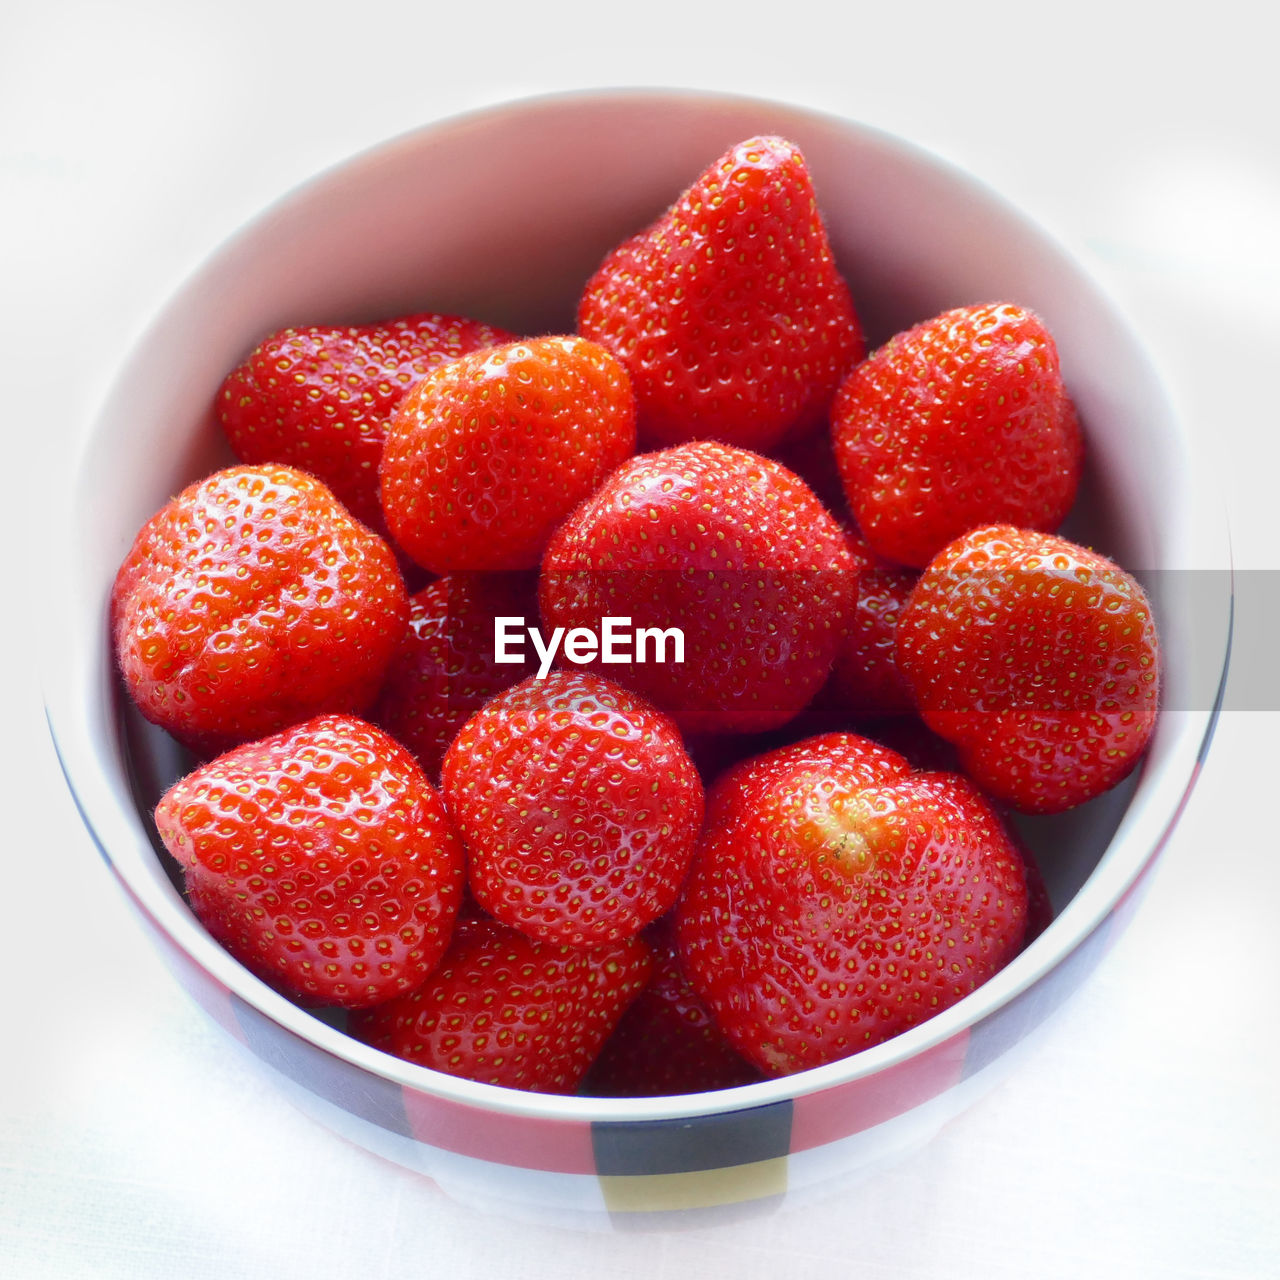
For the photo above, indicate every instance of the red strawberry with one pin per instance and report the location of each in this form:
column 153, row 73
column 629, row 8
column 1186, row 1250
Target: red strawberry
column 838, row 898
column 504, row 1009
column 959, row 422
column 321, row 858
column 578, row 805
column 375, row 1026
column 445, row 670
column 1038, row 659
column 251, row 602
column 924, row 750
column 318, row 397
column 729, row 312
column 728, row 547
column 866, row 678
column 488, row 454
column 875, row 763
column 666, row 1042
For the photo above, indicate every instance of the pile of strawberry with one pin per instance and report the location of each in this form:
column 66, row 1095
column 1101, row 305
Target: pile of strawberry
column 637, row 877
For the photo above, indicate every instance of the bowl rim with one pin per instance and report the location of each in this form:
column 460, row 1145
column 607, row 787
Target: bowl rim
column 109, row 816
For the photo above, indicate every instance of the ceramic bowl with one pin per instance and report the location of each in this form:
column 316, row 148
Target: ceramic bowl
column 503, row 214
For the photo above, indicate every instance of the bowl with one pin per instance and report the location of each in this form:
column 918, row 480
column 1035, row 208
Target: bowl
column 503, row 214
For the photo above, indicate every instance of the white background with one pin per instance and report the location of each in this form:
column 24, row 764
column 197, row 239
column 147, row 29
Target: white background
column 1142, row 1136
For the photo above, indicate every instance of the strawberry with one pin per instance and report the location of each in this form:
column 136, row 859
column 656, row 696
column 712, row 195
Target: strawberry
column 250, row 602
column 729, row 312
column 318, row 397
column 489, row 453
column 924, row 750
column 838, row 898
column 445, row 669
column 866, row 679
column 321, row 858
column 1038, row 659
column 578, row 805
column 666, row 1042
column 959, row 422
column 874, row 761
column 731, row 549
column 505, row 1009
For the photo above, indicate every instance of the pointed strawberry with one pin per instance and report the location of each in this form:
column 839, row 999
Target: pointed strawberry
column 321, row 858
column 731, row 550
column 667, row 1042
column 504, row 1009
column 838, row 898
column 1038, row 659
column 487, row 455
column 252, row 601
column 729, row 312
column 318, row 397
column 578, row 806
column 961, row 421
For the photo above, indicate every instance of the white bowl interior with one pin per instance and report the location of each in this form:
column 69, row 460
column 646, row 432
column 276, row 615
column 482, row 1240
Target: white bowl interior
column 503, row 215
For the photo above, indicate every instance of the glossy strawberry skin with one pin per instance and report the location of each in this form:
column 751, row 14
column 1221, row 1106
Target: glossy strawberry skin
column 505, row 1009
column 318, row 397
column 839, row 898
column 961, row 421
column 321, row 858
column 729, row 312
column 1038, row 659
column 666, row 1042
column 253, row 601
column 866, row 679
column 578, row 805
column 489, row 453
column 735, row 551
column 444, row 670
